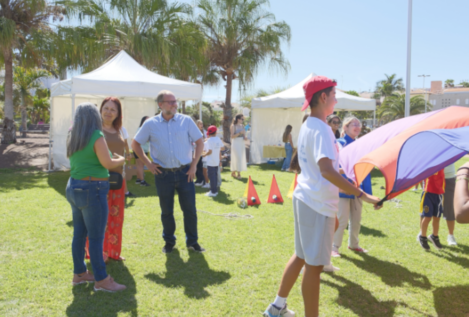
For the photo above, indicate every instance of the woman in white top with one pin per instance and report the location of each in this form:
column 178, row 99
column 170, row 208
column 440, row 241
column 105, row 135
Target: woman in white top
column 238, row 148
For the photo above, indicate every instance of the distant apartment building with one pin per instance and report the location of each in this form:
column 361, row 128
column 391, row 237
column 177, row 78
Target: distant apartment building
column 440, row 97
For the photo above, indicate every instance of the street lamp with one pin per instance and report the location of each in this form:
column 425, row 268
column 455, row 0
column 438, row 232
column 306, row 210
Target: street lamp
column 425, row 96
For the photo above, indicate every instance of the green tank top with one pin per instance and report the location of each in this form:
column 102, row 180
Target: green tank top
column 85, row 163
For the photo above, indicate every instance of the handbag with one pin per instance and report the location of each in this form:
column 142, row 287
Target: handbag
column 115, row 180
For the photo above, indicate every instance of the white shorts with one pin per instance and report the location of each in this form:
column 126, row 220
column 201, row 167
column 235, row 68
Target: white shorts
column 314, row 234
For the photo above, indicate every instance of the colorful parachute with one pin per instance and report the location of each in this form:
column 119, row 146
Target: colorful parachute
column 409, row 150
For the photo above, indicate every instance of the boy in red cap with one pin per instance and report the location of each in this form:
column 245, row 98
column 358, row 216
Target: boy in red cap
column 213, row 145
column 431, row 208
column 315, row 199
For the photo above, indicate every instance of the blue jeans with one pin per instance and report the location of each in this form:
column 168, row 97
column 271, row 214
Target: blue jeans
column 289, row 151
column 213, row 177
column 167, row 183
column 88, row 200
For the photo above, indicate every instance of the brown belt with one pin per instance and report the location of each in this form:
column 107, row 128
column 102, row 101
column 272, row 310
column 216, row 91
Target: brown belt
column 96, row 179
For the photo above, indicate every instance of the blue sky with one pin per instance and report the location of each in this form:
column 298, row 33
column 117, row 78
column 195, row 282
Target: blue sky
column 357, row 42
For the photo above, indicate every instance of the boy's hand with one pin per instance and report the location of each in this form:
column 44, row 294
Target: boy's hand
column 371, row 200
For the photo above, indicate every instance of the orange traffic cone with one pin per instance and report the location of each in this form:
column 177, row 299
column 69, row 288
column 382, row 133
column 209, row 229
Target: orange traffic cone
column 274, row 196
column 251, row 194
column 292, row 187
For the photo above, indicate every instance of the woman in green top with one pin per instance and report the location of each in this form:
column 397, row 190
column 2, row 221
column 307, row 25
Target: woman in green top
column 86, row 192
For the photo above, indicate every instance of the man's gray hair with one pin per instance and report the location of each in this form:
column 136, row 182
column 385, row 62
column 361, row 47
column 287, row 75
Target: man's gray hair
column 87, row 120
column 161, row 95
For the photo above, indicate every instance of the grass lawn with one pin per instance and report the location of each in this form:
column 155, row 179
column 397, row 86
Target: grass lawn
column 241, row 270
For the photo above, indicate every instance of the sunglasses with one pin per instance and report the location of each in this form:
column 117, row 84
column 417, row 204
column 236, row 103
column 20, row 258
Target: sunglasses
column 335, row 122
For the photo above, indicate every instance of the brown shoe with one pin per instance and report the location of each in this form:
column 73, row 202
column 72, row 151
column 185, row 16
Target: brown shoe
column 86, row 277
column 108, row 285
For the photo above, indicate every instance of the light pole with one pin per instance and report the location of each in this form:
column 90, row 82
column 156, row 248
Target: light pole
column 409, row 42
column 425, row 95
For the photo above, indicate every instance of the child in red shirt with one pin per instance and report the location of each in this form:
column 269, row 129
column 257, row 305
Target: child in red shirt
column 431, row 208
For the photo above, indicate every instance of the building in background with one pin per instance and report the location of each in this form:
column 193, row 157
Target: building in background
column 440, row 97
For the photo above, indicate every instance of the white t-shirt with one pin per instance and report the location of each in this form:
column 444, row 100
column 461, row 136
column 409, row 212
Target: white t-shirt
column 215, row 144
column 315, row 142
column 125, row 134
column 204, row 159
column 450, row 171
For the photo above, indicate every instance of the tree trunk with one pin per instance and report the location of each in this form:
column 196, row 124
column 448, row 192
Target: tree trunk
column 9, row 128
column 24, row 117
column 228, row 110
column 183, row 104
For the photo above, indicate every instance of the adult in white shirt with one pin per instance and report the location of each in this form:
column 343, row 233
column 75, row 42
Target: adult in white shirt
column 315, row 199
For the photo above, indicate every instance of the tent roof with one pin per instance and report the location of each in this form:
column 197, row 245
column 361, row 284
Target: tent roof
column 294, row 97
column 122, row 76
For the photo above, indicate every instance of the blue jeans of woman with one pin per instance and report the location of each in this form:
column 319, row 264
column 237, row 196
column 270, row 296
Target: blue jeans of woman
column 88, row 200
column 167, row 183
column 289, row 151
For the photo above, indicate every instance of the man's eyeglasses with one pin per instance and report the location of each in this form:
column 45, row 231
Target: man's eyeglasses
column 171, row 102
column 357, row 125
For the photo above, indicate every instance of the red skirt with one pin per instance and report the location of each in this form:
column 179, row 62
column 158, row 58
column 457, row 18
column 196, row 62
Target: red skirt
column 115, row 220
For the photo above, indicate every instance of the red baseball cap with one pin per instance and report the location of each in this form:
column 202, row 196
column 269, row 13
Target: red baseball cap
column 212, row 129
column 314, row 85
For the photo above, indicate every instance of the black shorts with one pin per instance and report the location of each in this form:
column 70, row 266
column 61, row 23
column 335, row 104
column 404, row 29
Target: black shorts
column 135, row 155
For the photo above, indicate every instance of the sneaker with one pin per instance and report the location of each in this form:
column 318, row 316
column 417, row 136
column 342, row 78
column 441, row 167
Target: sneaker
column 207, row 185
column 168, row 248
column 108, row 285
column 335, row 254
column 359, row 250
column 330, row 268
column 143, row 183
column 436, row 241
column 137, row 181
column 129, row 194
column 86, row 277
column 196, row 247
column 451, row 240
column 199, row 184
column 273, row 311
column 424, row 243
column 210, row 194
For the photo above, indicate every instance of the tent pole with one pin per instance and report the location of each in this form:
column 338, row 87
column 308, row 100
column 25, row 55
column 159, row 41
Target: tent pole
column 250, row 137
column 50, row 135
column 73, row 107
column 374, row 118
column 200, row 110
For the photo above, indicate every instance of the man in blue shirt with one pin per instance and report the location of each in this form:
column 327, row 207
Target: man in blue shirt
column 171, row 135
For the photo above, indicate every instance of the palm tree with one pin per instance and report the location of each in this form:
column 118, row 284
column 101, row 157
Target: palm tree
column 389, row 85
column 21, row 21
column 393, row 107
column 40, row 108
column 143, row 28
column 242, row 37
column 464, row 84
column 25, row 80
column 449, row 83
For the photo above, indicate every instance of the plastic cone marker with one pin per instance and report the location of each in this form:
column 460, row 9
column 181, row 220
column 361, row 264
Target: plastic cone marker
column 252, row 194
column 292, row 187
column 274, row 196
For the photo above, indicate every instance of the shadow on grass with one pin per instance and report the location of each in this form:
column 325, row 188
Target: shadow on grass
column 452, row 300
column 12, row 180
column 447, row 255
column 371, row 232
column 87, row 302
column 58, row 181
column 361, row 301
column 193, row 275
column 392, row 274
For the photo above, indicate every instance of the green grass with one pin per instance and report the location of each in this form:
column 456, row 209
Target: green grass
column 241, row 270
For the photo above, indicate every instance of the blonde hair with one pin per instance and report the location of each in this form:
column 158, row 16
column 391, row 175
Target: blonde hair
column 346, row 122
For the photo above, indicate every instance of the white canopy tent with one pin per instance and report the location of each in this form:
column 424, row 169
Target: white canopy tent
column 121, row 77
column 270, row 115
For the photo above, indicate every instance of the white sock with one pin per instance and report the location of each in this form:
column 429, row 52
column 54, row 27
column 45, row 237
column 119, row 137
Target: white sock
column 280, row 301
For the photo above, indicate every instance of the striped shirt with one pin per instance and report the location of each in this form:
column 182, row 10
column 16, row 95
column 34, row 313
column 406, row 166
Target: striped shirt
column 170, row 141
